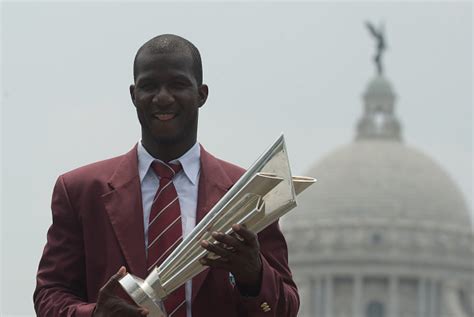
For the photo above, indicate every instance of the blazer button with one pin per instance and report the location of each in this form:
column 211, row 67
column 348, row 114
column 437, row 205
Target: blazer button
column 265, row 307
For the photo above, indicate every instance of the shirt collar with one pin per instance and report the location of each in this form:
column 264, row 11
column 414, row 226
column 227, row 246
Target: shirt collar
column 190, row 161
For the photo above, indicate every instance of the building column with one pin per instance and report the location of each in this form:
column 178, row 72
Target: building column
column 357, row 296
column 428, row 298
column 421, row 297
column 393, row 297
column 317, row 300
column 439, row 304
column 329, row 294
column 433, row 299
column 304, row 289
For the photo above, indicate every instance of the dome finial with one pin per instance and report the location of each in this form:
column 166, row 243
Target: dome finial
column 379, row 120
column 379, row 36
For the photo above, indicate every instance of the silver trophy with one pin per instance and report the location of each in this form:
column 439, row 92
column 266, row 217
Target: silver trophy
column 263, row 194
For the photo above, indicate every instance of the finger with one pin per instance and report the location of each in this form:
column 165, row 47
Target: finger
column 227, row 239
column 116, row 306
column 125, row 309
column 122, row 271
column 216, row 263
column 143, row 311
column 248, row 236
column 216, row 249
column 112, row 283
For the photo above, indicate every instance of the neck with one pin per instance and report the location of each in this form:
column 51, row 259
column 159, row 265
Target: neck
column 165, row 151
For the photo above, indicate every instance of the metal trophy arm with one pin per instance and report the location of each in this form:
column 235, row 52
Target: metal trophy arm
column 264, row 193
column 231, row 212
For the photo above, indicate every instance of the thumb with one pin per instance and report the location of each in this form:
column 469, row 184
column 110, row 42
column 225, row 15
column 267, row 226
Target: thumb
column 112, row 283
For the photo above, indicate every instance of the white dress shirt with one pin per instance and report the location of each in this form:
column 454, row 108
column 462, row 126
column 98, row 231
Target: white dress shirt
column 186, row 184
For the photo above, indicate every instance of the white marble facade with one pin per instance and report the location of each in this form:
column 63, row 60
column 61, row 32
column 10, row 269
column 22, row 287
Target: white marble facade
column 385, row 232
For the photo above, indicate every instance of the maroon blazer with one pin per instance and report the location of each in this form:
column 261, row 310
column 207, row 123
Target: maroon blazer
column 98, row 227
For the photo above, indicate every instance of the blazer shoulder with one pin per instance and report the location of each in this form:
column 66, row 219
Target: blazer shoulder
column 103, row 167
column 101, row 172
column 227, row 173
column 232, row 170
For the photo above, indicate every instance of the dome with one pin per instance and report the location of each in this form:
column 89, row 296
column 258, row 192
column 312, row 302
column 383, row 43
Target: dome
column 379, row 201
column 379, row 86
column 383, row 179
column 384, row 220
column 384, row 229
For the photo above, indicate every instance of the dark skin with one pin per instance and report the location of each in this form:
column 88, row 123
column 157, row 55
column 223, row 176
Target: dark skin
column 167, row 98
column 239, row 254
column 109, row 304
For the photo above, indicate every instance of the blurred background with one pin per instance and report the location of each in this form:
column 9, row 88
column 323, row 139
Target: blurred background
column 386, row 231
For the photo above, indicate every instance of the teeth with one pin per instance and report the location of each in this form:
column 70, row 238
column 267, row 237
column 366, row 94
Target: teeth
column 164, row 116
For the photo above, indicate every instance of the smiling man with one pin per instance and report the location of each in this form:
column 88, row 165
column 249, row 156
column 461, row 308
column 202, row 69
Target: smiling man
column 128, row 213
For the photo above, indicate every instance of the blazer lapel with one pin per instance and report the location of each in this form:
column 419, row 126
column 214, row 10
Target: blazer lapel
column 124, row 207
column 213, row 184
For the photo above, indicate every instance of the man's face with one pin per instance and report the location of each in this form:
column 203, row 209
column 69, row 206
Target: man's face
column 167, row 97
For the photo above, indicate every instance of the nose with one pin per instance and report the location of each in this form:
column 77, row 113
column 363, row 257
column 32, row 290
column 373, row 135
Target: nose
column 163, row 97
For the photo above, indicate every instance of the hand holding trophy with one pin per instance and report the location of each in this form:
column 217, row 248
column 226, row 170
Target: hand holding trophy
column 263, row 194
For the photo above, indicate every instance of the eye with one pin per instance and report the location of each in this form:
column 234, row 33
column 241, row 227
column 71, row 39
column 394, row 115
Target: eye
column 179, row 84
column 146, row 86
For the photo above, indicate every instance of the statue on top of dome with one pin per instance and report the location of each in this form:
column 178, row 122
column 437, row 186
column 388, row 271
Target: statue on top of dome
column 378, row 34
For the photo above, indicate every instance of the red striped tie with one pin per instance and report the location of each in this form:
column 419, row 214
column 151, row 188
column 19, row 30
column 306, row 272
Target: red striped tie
column 164, row 230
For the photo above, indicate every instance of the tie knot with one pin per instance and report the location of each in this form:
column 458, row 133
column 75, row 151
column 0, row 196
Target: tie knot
column 165, row 170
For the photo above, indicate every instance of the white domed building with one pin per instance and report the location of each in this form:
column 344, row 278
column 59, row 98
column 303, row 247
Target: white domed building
column 385, row 232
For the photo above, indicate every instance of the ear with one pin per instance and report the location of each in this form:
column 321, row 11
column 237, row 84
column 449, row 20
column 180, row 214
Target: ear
column 203, row 92
column 132, row 93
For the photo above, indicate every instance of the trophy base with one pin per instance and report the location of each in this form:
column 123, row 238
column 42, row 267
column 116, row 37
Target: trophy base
column 143, row 295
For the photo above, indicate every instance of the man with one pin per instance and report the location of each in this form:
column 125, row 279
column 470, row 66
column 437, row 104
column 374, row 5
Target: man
column 106, row 215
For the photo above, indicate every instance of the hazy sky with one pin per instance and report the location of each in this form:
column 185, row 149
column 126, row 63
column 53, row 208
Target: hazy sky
column 299, row 68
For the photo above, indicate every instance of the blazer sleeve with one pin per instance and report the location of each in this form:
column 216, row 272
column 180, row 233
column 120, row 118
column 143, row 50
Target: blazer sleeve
column 60, row 282
column 278, row 293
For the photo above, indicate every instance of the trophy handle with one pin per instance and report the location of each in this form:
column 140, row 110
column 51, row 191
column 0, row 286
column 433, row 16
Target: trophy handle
column 143, row 295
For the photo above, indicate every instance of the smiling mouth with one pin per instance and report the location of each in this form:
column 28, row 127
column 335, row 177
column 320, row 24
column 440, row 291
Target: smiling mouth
column 164, row 116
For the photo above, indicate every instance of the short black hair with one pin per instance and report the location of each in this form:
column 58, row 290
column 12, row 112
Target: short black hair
column 170, row 43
